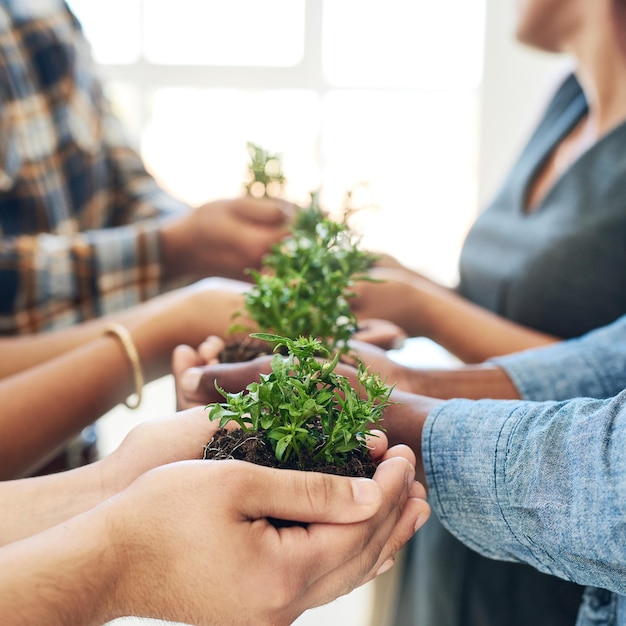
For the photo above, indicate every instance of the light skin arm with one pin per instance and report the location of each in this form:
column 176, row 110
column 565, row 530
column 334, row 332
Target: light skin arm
column 151, row 543
column 425, row 309
column 88, row 373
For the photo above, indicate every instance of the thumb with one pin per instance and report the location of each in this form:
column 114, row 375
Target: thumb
column 309, row 497
column 184, row 357
column 265, row 211
column 185, row 361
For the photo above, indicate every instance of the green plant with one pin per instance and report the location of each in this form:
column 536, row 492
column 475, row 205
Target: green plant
column 306, row 282
column 265, row 174
column 303, row 407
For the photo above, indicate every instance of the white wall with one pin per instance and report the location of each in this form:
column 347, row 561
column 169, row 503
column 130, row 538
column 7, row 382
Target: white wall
column 516, row 83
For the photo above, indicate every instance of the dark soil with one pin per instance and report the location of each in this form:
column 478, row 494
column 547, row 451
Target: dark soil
column 255, row 448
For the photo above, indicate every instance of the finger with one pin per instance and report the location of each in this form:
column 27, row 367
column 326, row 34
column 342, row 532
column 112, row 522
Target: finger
column 232, row 377
column 355, row 552
column 309, row 496
column 265, row 211
column 381, row 333
column 184, row 357
column 210, row 349
column 359, row 570
column 377, row 443
column 401, row 450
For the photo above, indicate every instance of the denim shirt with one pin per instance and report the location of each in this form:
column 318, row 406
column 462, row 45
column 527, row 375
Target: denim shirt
column 543, row 483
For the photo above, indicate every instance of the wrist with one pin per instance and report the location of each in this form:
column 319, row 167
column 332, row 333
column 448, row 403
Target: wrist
column 127, row 552
column 175, row 249
column 423, row 299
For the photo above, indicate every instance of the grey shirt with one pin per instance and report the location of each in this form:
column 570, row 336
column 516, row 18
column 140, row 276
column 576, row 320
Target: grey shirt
column 560, row 269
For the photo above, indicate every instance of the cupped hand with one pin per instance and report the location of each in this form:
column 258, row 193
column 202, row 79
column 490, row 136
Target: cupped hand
column 177, row 437
column 396, row 295
column 203, row 551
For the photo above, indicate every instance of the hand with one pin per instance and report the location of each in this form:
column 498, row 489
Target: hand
column 186, row 362
column 398, row 296
column 381, row 333
column 203, row 535
column 197, row 371
column 184, row 316
column 224, row 237
column 376, row 360
column 159, row 441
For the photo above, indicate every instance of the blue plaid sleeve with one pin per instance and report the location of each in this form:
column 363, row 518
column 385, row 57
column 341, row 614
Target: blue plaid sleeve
column 79, row 213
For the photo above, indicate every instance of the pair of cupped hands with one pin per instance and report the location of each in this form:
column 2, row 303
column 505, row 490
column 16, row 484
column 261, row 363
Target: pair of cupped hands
column 393, row 508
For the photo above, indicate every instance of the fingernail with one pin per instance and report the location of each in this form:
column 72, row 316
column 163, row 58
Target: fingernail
column 190, row 379
column 365, row 491
column 385, row 567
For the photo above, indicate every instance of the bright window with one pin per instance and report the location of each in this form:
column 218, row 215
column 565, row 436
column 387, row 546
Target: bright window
column 382, row 92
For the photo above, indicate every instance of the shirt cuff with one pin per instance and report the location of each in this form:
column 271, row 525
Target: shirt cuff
column 464, row 452
column 128, row 269
column 592, row 366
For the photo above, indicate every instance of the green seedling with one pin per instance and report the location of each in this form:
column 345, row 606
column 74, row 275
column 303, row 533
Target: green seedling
column 303, row 407
column 307, row 281
column 265, row 173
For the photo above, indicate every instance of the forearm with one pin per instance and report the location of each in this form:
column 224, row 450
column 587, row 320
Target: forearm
column 72, row 391
column 33, row 505
column 160, row 325
column 65, row 575
column 469, row 381
column 470, row 332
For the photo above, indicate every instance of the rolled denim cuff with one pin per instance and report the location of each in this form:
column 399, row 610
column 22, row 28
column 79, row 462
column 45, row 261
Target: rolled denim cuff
column 461, row 445
column 592, row 366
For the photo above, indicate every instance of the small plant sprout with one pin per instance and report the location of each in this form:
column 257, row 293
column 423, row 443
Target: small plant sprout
column 307, row 279
column 265, row 173
column 303, row 408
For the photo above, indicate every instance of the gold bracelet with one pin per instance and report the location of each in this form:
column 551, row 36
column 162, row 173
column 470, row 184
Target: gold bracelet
column 124, row 337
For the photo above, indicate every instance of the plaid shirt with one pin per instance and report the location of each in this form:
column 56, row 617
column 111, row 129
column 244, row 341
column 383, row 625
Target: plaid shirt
column 78, row 211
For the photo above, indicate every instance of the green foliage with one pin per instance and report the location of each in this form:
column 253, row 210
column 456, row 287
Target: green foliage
column 304, row 407
column 307, row 279
column 265, row 175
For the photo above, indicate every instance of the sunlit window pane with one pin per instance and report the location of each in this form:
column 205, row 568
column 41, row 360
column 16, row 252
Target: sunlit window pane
column 196, row 140
column 417, row 152
column 232, row 32
column 112, row 27
column 429, row 44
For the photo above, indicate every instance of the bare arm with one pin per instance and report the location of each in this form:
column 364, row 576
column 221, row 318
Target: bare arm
column 425, row 309
column 150, row 543
column 82, row 373
column 186, row 315
column 484, row 380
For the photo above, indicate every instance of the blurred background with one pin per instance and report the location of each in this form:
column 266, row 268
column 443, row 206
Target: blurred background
column 420, row 105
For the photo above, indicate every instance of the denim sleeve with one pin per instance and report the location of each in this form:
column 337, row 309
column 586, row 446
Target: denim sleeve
column 593, row 365
column 539, row 483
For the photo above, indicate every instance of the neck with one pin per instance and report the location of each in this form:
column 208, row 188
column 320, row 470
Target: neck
column 601, row 70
